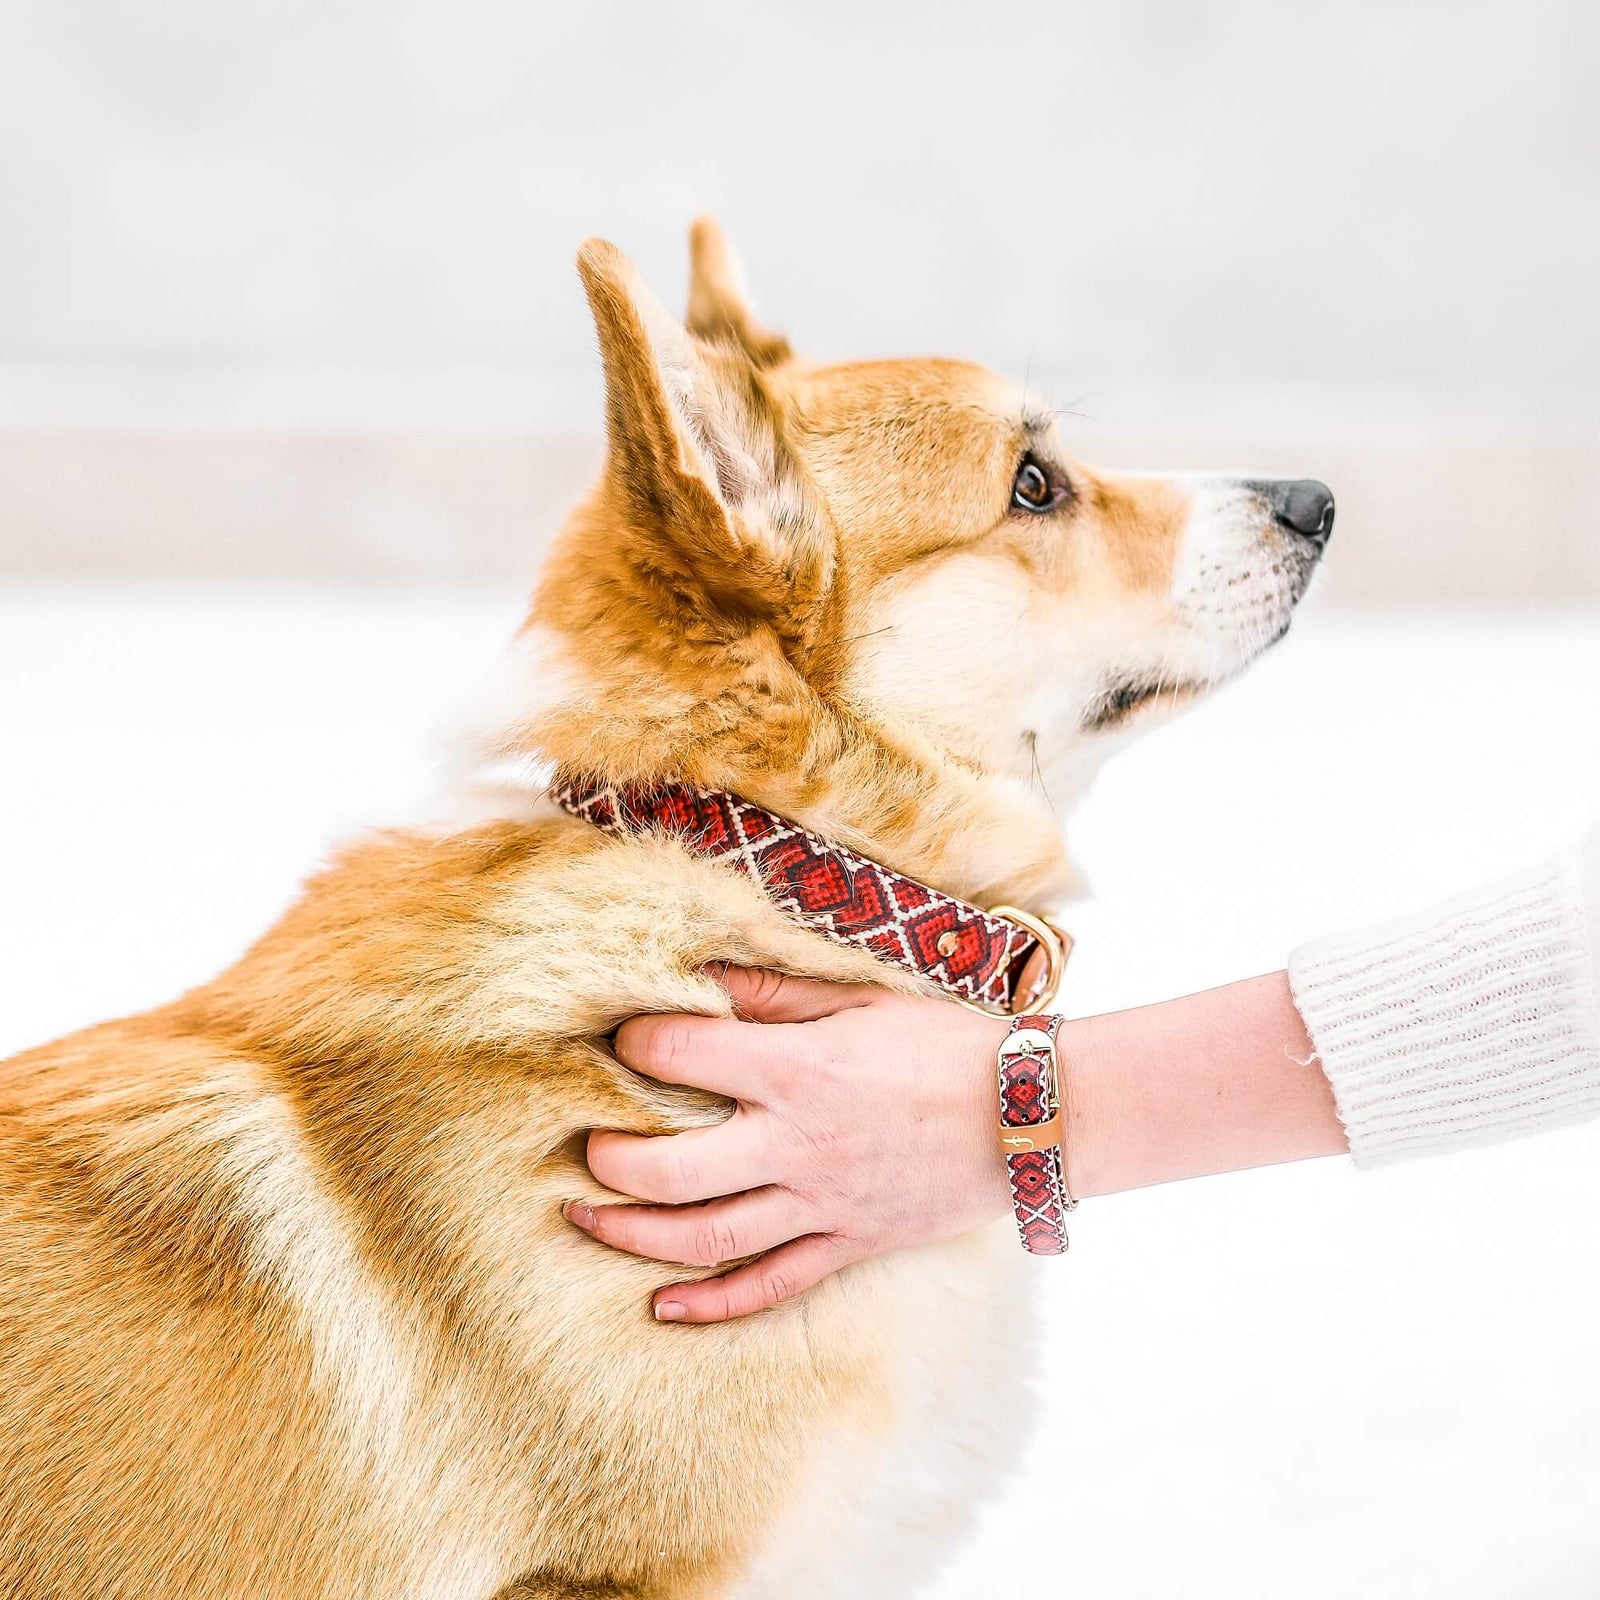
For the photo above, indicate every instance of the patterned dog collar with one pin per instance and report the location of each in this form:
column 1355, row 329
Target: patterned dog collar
column 977, row 957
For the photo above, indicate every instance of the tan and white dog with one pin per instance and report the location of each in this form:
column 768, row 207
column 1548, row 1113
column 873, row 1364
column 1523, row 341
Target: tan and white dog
column 288, row 1309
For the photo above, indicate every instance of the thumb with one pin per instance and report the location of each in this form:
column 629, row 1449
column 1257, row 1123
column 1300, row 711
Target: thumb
column 764, row 996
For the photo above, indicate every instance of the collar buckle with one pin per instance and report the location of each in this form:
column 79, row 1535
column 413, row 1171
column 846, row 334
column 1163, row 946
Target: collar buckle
column 1057, row 946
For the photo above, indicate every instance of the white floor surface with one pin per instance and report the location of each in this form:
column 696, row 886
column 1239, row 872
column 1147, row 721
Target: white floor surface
column 1303, row 1383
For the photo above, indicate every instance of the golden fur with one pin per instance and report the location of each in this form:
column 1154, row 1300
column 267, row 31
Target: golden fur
column 287, row 1305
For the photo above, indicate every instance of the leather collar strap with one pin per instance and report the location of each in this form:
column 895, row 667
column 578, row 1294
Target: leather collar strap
column 975, row 956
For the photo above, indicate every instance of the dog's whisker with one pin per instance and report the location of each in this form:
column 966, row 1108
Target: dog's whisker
column 1071, row 407
column 871, row 633
column 1031, row 738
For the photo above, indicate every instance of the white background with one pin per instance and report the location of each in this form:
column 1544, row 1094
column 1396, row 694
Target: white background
column 1238, row 193
column 287, row 288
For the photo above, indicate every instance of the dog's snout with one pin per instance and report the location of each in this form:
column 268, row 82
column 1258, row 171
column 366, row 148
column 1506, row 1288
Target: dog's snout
column 1302, row 505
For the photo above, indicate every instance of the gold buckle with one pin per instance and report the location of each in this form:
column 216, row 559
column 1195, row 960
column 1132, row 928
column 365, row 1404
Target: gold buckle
column 1057, row 945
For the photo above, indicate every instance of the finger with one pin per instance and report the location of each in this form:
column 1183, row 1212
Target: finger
column 786, row 1272
column 765, row 996
column 698, row 1236
column 716, row 1053
column 675, row 1169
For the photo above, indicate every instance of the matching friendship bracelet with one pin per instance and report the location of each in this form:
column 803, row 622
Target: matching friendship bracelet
column 1031, row 1134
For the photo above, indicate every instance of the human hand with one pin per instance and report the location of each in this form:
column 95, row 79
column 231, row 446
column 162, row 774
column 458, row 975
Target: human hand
column 865, row 1123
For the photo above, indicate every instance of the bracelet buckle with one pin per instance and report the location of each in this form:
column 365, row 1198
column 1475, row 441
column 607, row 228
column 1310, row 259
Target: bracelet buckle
column 1032, row 1133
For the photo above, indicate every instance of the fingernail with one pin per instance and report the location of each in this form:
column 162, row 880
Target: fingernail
column 579, row 1215
column 671, row 1311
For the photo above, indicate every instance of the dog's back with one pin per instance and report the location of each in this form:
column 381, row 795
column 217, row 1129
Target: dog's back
column 142, row 1391
column 289, row 1308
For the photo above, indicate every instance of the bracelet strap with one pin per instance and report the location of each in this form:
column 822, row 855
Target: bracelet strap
column 1031, row 1134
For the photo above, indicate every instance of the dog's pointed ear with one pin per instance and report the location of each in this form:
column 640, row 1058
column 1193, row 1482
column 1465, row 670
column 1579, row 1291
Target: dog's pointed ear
column 698, row 449
column 718, row 306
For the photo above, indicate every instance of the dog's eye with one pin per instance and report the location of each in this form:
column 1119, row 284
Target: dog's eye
column 1032, row 489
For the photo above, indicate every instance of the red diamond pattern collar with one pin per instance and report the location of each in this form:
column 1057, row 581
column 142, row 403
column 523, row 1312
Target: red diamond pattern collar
column 972, row 955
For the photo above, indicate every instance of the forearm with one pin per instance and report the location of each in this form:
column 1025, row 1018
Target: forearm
column 1476, row 1020
column 1213, row 1082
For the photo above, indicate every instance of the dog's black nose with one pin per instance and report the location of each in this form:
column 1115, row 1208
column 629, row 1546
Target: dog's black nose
column 1302, row 505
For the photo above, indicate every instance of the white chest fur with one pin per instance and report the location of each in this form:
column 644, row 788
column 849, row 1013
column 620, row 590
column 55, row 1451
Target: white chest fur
column 879, row 1513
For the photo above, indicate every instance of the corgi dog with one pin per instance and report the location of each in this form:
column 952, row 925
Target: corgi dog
column 288, row 1306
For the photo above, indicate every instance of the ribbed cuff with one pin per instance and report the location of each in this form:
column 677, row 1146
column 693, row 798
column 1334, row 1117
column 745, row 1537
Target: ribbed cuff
column 1476, row 1021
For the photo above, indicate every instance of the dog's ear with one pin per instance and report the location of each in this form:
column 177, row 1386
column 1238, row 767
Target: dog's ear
column 718, row 307
column 697, row 447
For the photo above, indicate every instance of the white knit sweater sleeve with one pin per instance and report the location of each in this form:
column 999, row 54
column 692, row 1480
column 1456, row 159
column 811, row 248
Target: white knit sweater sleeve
column 1478, row 1020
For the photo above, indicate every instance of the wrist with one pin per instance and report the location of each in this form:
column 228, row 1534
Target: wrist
column 994, row 1189
column 1100, row 1129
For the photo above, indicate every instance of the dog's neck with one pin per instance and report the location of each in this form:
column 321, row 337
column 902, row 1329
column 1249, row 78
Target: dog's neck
column 895, row 798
